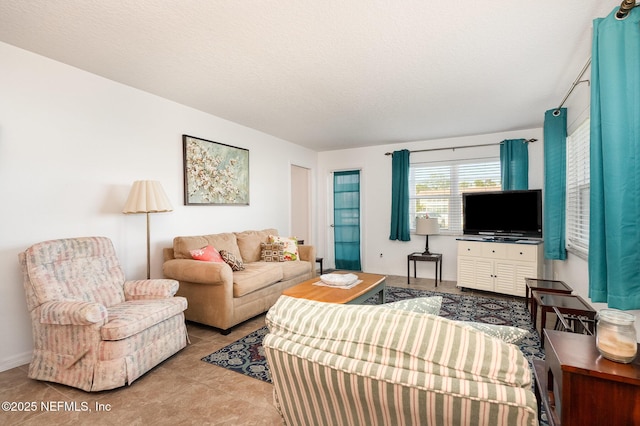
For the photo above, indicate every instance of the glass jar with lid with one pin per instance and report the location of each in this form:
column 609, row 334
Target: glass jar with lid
column 616, row 335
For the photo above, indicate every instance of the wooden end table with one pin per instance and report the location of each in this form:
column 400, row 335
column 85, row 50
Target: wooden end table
column 421, row 257
column 371, row 285
column 577, row 386
column 539, row 284
column 571, row 304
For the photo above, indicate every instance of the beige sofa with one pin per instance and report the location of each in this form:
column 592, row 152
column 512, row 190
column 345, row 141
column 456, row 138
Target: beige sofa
column 222, row 298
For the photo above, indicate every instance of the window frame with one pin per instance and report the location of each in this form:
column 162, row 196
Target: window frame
column 451, row 223
column 578, row 185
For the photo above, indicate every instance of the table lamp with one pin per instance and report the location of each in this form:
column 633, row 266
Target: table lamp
column 427, row 226
column 147, row 196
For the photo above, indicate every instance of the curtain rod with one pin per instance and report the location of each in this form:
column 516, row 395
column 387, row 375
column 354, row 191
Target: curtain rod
column 577, row 81
column 458, row 147
column 625, row 8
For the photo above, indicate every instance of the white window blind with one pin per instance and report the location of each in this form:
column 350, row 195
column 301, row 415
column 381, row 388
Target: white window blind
column 578, row 180
column 436, row 189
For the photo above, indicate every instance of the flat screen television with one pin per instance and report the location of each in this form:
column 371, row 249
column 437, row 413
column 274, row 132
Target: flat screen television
column 503, row 214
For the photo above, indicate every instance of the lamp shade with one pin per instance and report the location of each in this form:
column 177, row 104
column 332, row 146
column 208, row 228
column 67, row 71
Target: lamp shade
column 427, row 226
column 147, row 196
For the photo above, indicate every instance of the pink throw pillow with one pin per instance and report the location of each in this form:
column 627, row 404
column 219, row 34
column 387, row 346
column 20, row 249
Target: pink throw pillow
column 208, row 254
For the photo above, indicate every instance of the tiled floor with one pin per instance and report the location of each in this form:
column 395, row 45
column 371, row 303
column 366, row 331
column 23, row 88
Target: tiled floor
column 181, row 390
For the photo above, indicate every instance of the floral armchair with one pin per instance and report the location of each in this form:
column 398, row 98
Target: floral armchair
column 92, row 329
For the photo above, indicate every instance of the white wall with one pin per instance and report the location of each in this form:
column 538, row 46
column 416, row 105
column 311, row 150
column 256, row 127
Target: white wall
column 71, row 144
column 376, row 199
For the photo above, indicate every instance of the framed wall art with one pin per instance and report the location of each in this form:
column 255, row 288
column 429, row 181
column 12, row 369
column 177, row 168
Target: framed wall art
column 215, row 173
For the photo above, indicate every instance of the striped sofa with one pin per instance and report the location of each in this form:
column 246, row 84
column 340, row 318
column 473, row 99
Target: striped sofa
column 92, row 329
column 365, row 365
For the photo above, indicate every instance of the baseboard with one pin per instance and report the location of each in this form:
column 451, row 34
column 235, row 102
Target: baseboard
column 15, row 361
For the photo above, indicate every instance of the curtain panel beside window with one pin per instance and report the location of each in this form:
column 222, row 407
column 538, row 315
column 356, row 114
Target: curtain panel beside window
column 400, row 196
column 555, row 182
column 614, row 224
column 514, row 164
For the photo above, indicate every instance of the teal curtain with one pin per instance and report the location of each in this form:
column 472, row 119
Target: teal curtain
column 514, row 164
column 555, row 183
column 614, row 222
column 346, row 219
column 400, row 196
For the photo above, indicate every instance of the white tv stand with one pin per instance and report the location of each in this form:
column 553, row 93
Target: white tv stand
column 499, row 266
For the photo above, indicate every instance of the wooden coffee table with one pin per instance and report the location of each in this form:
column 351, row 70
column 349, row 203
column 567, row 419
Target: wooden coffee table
column 371, row 285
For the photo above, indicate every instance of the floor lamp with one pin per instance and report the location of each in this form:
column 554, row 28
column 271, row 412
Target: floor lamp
column 427, row 226
column 147, row 196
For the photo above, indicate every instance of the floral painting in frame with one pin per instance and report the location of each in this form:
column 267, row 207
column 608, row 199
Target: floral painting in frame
column 214, row 173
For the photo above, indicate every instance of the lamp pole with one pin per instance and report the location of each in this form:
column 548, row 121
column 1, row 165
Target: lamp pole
column 148, row 248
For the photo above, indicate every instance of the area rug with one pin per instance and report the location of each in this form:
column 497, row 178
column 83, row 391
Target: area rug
column 246, row 355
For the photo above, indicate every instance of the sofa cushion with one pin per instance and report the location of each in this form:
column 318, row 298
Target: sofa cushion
column 82, row 269
column 255, row 276
column 422, row 305
column 249, row 243
column 272, row 252
column 292, row 270
column 290, row 246
column 207, row 254
column 231, row 260
column 129, row 318
column 114, row 349
column 182, row 246
column 431, row 306
column 505, row 333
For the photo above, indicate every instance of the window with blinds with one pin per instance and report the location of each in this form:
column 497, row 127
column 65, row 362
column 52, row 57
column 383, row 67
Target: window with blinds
column 577, row 226
column 436, row 189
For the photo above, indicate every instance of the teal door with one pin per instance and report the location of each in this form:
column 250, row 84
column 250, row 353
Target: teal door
column 346, row 220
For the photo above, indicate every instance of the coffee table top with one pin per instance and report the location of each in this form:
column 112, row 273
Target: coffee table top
column 307, row 289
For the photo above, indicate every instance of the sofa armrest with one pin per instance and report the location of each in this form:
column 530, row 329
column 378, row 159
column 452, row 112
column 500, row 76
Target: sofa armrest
column 197, row 271
column 72, row 312
column 167, row 253
column 307, row 253
column 150, row 289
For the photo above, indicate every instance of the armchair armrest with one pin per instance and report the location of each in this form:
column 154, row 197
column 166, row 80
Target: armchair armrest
column 150, row 289
column 72, row 312
column 197, row 271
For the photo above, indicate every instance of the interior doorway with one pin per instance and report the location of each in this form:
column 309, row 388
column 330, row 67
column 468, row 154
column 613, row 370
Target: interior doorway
column 301, row 203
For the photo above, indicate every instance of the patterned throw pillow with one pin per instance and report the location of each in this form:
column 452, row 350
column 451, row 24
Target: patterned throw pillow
column 207, row 253
column 290, row 246
column 506, row 333
column 421, row 305
column 431, row 305
column 235, row 263
column 272, row 252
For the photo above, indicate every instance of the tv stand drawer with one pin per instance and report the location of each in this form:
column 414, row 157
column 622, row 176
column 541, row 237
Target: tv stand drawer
column 522, row 252
column 470, row 248
column 494, row 250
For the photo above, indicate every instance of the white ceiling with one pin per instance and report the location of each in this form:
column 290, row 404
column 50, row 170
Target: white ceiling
column 327, row 74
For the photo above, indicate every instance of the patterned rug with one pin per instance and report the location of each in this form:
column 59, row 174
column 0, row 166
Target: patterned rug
column 246, row 355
